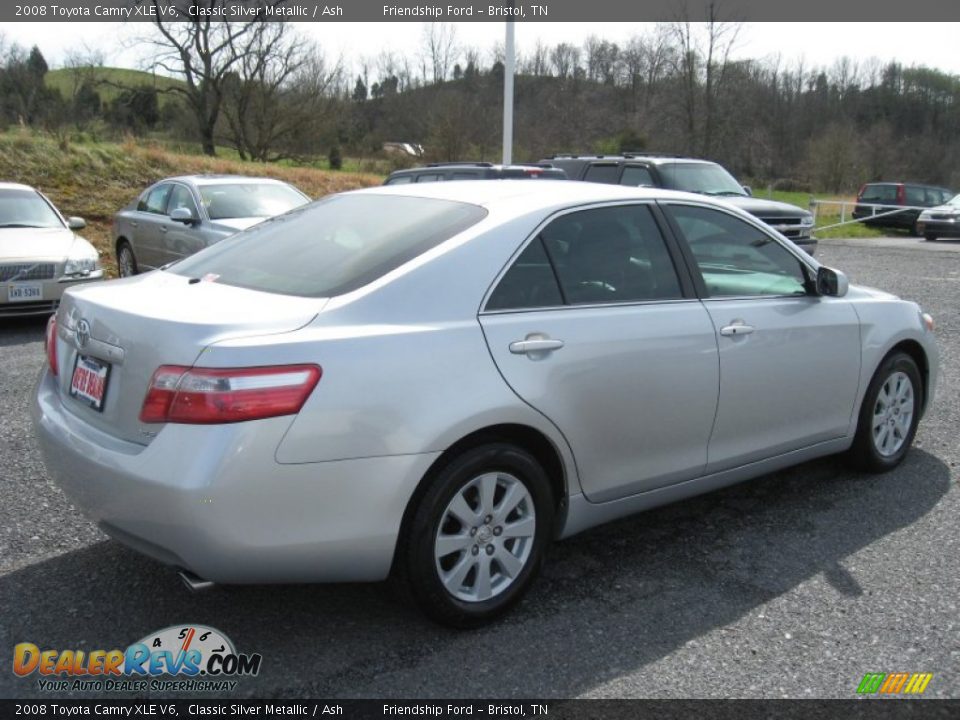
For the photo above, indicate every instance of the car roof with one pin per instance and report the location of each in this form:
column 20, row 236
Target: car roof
column 222, row 179
column 654, row 158
column 15, row 186
column 490, row 193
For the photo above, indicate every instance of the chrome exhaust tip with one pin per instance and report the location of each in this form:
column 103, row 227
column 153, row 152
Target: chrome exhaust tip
column 195, row 583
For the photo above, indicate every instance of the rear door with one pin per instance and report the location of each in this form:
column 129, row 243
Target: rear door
column 150, row 216
column 789, row 360
column 593, row 325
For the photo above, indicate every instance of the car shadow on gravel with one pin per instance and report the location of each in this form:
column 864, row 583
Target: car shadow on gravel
column 17, row 331
column 610, row 600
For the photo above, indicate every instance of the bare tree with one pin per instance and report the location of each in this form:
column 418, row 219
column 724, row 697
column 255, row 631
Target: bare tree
column 440, row 49
column 204, row 51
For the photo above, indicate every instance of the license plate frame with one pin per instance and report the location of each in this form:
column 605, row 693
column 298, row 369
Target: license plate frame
column 89, row 380
column 24, row 292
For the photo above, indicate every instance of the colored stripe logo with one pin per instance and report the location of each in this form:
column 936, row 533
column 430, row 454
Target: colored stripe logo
column 894, row 683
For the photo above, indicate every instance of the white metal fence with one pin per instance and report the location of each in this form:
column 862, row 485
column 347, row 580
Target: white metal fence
column 846, row 209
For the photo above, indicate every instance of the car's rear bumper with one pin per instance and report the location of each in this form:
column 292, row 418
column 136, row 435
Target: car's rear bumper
column 213, row 500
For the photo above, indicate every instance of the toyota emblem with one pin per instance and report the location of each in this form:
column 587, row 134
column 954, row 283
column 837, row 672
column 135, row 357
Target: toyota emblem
column 82, row 333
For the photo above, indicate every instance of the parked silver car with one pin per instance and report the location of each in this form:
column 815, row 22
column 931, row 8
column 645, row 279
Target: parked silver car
column 40, row 254
column 439, row 379
column 178, row 216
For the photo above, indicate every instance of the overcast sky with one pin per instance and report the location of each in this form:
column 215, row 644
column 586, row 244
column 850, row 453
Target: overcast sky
column 818, row 44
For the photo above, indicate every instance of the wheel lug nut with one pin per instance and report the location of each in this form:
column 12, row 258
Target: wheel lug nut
column 487, row 519
column 489, row 549
column 475, row 550
column 473, row 531
column 497, row 530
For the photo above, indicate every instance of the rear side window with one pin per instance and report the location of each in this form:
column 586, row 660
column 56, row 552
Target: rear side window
column 529, row 283
column 635, row 176
column 400, row 180
column 603, row 173
column 883, row 194
column 332, row 246
column 915, row 195
column 432, row 177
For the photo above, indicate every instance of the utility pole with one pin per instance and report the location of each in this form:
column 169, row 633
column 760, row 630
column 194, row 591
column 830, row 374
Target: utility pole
column 509, row 61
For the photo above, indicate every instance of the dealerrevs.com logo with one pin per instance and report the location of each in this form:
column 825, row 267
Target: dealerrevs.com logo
column 180, row 658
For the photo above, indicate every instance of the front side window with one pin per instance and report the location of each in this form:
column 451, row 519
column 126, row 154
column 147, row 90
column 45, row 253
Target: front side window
column 180, row 197
column 332, row 246
column 636, row 176
column 735, row 258
column 603, row 173
column 26, row 209
column 155, row 199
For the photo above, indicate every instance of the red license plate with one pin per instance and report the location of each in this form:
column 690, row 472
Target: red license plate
column 89, row 382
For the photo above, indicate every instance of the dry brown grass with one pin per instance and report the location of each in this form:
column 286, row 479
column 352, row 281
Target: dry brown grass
column 96, row 180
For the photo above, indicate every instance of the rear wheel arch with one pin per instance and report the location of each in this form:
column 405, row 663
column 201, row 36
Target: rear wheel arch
column 524, row 437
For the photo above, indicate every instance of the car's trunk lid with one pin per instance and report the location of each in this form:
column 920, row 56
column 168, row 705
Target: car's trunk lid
column 134, row 326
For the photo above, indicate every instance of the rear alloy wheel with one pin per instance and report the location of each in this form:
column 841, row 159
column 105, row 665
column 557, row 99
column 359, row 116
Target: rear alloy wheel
column 889, row 415
column 126, row 260
column 477, row 538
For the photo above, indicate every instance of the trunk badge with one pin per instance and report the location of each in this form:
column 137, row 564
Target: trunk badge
column 82, row 333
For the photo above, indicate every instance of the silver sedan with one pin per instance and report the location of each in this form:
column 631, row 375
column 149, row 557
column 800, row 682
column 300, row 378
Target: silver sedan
column 178, row 216
column 437, row 380
column 41, row 255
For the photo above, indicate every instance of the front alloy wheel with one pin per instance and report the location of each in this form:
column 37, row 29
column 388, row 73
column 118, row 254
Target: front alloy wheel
column 889, row 414
column 476, row 539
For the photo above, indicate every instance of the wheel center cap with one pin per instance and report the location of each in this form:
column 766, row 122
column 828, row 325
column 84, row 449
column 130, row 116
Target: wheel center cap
column 484, row 535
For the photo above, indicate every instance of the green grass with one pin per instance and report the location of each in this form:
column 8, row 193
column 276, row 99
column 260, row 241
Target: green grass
column 110, row 82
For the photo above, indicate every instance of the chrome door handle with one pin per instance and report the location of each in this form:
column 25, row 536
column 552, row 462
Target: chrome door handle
column 134, row 224
column 535, row 345
column 735, row 328
column 163, row 228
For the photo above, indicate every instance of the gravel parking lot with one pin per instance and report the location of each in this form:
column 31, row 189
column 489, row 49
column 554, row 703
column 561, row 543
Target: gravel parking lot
column 793, row 585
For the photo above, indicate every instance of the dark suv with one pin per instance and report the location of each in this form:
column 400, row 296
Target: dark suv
column 691, row 175
column 892, row 194
column 435, row 172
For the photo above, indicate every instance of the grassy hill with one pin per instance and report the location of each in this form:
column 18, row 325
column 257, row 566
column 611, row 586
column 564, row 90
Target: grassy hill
column 109, row 82
column 95, row 180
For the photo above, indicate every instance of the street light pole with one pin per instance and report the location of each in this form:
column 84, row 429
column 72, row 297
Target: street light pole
column 508, row 94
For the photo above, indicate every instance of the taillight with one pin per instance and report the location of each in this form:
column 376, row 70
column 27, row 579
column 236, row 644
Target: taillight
column 51, row 344
column 901, row 195
column 224, row 395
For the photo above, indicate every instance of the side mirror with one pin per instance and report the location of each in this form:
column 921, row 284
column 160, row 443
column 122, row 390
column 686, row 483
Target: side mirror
column 832, row 283
column 183, row 215
column 76, row 223
column 748, row 190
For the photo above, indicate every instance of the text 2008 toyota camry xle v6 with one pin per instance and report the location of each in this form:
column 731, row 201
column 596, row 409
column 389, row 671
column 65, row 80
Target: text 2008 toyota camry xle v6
column 437, row 380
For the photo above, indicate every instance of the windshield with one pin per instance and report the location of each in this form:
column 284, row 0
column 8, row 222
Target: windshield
column 26, row 209
column 246, row 200
column 332, row 246
column 955, row 201
column 703, row 178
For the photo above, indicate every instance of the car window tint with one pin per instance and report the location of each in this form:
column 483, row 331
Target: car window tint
column 611, row 255
column 400, row 180
column 529, row 283
column 332, row 246
column 249, row 200
column 155, row 201
column 915, row 195
column 431, row 177
column 735, row 258
column 603, row 173
column 634, row 176
column 180, row 197
column 883, row 194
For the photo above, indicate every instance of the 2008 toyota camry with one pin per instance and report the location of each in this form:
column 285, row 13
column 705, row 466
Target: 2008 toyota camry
column 438, row 380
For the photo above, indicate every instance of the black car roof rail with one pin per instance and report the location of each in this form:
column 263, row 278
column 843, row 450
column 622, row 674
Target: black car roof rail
column 462, row 164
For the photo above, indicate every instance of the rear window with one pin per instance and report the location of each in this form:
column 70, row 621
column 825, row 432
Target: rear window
column 879, row 194
column 332, row 246
column 248, row 200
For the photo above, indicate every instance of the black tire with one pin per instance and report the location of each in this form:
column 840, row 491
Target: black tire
column 418, row 565
column 929, row 238
column 123, row 247
column 865, row 453
column 914, row 230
